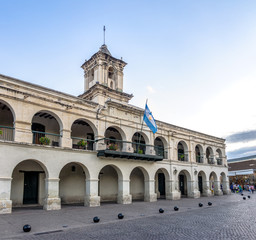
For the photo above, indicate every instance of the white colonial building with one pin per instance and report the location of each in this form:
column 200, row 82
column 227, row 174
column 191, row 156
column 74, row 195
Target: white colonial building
column 57, row 149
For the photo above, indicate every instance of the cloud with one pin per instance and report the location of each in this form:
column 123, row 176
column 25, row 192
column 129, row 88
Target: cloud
column 245, row 136
column 242, row 152
column 150, row 89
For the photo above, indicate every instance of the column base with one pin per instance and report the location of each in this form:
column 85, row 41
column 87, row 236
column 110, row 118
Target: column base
column 5, row 206
column 151, row 198
column 126, row 199
column 207, row 193
column 52, row 204
column 92, row 201
column 227, row 192
column 218, row 193
column 195, row 194
column 174, row 196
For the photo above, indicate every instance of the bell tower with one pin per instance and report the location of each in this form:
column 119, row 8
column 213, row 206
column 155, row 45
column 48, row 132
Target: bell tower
column 103, row 78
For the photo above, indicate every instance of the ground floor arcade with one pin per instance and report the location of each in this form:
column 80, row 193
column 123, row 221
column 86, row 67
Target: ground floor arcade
column 50, row 177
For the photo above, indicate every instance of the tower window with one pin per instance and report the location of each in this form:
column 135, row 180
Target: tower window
column 111, row 84
column 111, row 72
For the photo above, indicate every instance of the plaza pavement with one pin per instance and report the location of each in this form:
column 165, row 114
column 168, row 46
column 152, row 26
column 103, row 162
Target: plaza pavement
column 230, row 217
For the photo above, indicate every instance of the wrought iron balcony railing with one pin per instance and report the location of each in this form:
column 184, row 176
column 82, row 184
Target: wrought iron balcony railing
column 210, row 160
column 6, row 133
column 83, row 143
column 116, row 148
column 45, row 138
column 199, row 159
column 183, row 157
column 219, row 161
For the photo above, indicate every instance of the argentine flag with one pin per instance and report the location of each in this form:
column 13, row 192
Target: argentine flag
column 149, row 119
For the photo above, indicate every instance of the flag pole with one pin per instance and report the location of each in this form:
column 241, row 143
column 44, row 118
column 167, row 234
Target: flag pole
column 142, row 125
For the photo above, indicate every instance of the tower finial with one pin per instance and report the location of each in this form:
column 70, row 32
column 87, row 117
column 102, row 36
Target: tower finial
column 104, row 29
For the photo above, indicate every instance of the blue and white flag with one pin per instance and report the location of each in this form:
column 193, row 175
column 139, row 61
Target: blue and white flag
column 149, row 120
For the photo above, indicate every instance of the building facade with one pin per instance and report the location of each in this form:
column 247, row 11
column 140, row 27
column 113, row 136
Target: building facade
column 59, row 149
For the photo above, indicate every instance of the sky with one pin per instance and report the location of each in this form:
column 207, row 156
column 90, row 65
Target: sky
column 193, row 60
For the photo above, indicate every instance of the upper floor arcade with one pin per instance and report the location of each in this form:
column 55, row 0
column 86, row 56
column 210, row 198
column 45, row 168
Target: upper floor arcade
column 53, row 128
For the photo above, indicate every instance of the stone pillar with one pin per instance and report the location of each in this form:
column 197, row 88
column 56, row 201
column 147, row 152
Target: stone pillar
column 172, row 192
column 206, row 189
column 226, row 188
column 217, row 189
column 23, row 132
column 124, row 196
column 149, row 194
column 92, row 198
column 5, row 195
column 193, row 189
column 127, row 147
column 65, row 140
column 99, row 145
column 52, row 200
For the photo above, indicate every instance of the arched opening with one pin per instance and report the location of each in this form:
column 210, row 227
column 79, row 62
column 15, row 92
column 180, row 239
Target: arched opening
column 202, row 187
column 182, row 151
column 160, row 185
column 28, row 184
column 213, row 182
column 183, row 186
column 209, row 155
column 111, row 73
column 108, row 184
column 219, row 157
column 137, row 185
column 199, row 154
column 113, row 139
column 46, row 129
column 139, row 143
column 159, row 148
column 82, row 135
column 6, row 122
column 72, row 184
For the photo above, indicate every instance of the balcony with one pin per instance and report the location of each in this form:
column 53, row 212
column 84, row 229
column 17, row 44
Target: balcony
column 129, row 150
column 81, row 143
column 183, row 157
column 199, row 159
column 210, row 160
column 219, row 161
column 6, row 133
column 45, row 138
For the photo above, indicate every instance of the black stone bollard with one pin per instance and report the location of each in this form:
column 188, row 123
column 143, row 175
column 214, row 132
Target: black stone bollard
column 176, row 208
column 120, row 216
column 161, row 210
column 26, row 228
column 244, row 198
column 249, row 196
column 96, row 219
column 242, row 194
column 200, row 205
column 209, row 203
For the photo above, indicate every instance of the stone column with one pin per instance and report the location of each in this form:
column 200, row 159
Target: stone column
column 172, row 192
column 206, row 189
column 127, row 147
column 92, row 198
column 5, row 195
column 23, row 132
column 124, row 196
column 99, row 145
column 52, row 200
column 65, row 140
column 149, row 194
column 226, row 188
column 193, row 189
column 217, row 189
